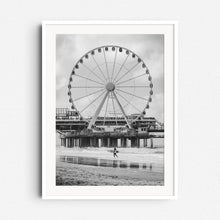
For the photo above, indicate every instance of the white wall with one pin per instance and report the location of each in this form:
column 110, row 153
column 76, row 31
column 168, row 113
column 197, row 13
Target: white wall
column 20, row 107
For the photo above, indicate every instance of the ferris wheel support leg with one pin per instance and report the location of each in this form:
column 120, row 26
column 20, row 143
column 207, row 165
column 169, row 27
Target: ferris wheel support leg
column 94, row 118
column 122, row 110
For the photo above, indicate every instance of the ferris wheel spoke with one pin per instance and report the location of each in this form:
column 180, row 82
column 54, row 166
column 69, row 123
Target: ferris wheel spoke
column 93, row 73
column 122, row 110
column 87, row 95
column 126, row 73
column 132, row 94
column 88, row 79
column 85, row 87
column 106, row 64
column 92, row 102
column 114, row 64
column 116, row 76
column 132, row 86
column 113, row 105
column 131, row 79
column 106, row 109
column 97, row 65
column 129, row 103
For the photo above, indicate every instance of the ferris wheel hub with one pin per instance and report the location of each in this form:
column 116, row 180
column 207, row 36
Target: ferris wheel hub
column 110, row 86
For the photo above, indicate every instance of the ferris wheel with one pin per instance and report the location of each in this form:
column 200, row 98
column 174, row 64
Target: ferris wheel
column 110, row 82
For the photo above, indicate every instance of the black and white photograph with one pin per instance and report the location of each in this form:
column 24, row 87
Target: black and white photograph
column 109, row 112
column 109, row 109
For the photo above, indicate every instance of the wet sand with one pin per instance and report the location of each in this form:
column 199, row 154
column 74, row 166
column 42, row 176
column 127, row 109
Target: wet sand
column 68, row 173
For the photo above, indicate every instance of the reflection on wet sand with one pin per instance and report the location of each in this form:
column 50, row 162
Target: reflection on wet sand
column 92, row 161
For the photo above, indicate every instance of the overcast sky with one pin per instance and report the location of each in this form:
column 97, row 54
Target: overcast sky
column 69, row 49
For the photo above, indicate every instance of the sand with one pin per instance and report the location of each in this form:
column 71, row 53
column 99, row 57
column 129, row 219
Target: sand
column 77, row 174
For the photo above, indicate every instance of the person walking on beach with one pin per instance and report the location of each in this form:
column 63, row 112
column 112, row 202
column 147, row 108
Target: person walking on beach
column 115, row 151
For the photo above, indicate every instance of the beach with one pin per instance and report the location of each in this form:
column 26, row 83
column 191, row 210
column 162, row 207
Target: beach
column 97, row 166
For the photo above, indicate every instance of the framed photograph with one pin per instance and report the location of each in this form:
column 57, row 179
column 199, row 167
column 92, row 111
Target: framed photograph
column 109, row 110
